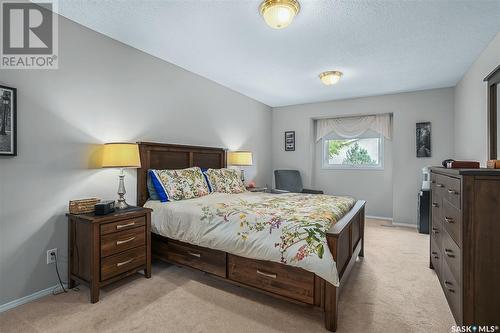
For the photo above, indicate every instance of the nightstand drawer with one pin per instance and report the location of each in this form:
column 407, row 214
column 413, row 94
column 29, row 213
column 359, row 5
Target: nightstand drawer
column 121, row 225
column 123, row 240
column 122, row 262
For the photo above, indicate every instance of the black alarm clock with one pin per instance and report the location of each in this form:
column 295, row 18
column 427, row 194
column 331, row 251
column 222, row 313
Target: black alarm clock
column 104, row 207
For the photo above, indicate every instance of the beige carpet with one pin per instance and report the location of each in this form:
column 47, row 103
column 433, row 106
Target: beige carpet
column 390, row 290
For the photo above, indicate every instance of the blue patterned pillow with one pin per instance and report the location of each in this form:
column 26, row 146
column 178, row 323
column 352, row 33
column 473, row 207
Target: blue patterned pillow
column 160, row 192
column 151, row 188
column 204, row 170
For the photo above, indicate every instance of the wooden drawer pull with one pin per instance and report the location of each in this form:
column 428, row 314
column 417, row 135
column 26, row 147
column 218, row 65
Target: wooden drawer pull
column 197, row 255
column 452, row 191
column 449, row 253
column 269, row 275
column 435, row 230
column 449, row 219
column 435, row 205
column 119, row 242
column 124, row 262
column 434, row 252
column 120, row 226
column 439, row 185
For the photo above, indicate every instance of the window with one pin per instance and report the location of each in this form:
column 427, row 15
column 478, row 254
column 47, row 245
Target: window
column 363, row 152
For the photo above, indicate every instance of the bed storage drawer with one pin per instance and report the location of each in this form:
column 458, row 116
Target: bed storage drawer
column 291, row 282
column 207, row 260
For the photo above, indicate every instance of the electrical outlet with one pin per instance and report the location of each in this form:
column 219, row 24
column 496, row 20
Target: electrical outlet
column 51, row 256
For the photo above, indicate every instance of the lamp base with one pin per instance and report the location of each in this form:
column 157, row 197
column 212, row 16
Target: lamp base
column 121, row 203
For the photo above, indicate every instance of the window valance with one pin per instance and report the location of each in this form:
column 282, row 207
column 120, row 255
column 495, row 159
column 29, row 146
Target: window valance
column 352, row 127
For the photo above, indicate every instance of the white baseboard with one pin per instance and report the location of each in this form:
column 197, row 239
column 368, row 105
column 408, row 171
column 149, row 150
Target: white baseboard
column 29, row 298
column 407, row 225
column 396, row 224
column 379, row 217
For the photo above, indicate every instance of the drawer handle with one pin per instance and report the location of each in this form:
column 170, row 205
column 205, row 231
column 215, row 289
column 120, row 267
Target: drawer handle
column 269, row 275
column 120, row 226
column 436, row 257
column 449, row 219
column 435, row 205
column 449, row 253
column 435, row 230
column 439, row 185
column 434, row 252
column 119, row 242
column 192, row 254
column 124, row 262
column 452, row 191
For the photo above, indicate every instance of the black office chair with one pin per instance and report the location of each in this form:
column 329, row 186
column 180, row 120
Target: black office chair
column 290, row 180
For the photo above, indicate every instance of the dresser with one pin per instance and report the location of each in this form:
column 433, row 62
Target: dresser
column 465, row 242
column 105, row 249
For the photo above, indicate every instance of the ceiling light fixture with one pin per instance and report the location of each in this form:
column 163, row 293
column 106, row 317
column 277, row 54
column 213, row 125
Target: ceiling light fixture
column 330, row 77
column 278, row 14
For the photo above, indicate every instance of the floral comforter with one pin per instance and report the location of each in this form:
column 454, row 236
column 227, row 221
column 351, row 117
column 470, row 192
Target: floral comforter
column 288, row 228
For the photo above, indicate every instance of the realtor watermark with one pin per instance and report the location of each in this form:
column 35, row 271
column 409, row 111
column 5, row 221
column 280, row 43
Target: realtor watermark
column 474, row 329
column 29, row 36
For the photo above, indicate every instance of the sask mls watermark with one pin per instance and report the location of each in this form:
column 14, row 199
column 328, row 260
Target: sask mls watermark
column 29, row 37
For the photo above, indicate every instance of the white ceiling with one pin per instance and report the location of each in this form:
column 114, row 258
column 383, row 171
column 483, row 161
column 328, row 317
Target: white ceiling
column 381, row 46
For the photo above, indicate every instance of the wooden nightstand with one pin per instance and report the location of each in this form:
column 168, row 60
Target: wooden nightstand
column 104, row 249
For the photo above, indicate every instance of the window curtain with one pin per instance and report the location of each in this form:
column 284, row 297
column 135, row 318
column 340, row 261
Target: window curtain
column 352, row 127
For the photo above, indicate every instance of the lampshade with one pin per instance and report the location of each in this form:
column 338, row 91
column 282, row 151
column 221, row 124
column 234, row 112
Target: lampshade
column 278, row 14
column 121, row 155
column 330, row 77
column 240, row 158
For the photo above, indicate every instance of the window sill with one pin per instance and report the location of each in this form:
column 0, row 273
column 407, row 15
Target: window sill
column 350, row 167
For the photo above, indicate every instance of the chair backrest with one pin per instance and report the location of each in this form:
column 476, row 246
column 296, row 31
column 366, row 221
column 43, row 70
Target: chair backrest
column 288, row 180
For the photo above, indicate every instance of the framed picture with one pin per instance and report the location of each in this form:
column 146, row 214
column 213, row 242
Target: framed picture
column 8, row 121
column 424, row 139
column 289, row 140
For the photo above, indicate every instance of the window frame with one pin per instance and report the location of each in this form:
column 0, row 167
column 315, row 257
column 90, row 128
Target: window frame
column 369, row 134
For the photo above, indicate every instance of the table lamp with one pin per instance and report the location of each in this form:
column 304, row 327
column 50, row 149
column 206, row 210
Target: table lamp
column 240, row 158
column 121, row 155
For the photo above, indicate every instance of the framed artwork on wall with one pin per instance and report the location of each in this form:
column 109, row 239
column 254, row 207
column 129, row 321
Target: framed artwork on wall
column 423, row 139
column 290, row 141
column 8, row 121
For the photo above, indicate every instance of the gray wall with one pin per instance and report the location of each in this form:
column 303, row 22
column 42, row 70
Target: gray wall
column 103, row 91
column 389, row 193
column 471, row 121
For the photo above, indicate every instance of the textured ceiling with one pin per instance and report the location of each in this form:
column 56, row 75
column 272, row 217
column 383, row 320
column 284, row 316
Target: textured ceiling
column 381, row 46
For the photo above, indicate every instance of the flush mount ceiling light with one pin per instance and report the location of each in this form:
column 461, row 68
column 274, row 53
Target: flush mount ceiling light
column 330, row 77
column 278, row 14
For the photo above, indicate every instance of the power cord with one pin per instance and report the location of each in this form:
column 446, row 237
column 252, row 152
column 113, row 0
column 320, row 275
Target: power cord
column 59, row 277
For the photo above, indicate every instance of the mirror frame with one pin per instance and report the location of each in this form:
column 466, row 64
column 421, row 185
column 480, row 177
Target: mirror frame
column 493, row 79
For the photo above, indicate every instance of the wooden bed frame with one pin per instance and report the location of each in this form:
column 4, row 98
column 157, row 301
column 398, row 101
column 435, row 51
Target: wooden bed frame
column 345, row 241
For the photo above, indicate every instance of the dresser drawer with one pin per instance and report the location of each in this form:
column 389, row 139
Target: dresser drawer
column 122, row 262
column 453, row 292
column 436, row 258
column 109, row 228
column 122, row 240
column 436, row 231
column 208, row 260
column 436, row 205
column 452, row 255
column 288, row 281
column 438, row 184
column 453, row 190
column 452, row 222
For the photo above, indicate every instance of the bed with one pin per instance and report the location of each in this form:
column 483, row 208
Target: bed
column 213, row 234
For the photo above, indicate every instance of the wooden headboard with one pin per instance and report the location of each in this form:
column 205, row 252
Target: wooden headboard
column 168, row 156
